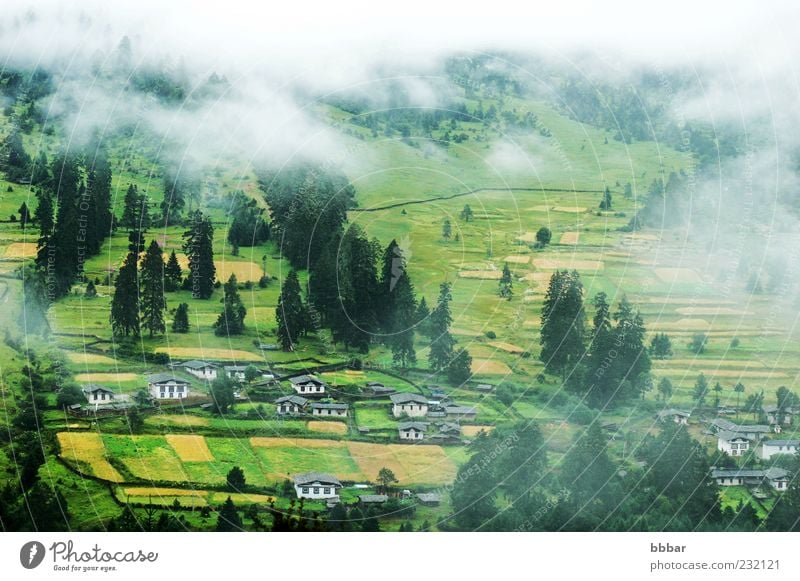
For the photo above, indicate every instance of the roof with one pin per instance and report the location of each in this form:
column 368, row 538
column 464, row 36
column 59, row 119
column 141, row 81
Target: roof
column 429, row 497
column 728, row 425
column 673, row 412
column 373, row 498
column 460, row 409
column 235, row 367
column 419, row 426
column 93, row 388
column 164, row 378
column 781, row 442
column 197, row 364
column 773, row 408
column 375, row 384
column 306, row 379
column 329, row 406
column 726, row 435
column 311, row 477
column 771, row 473
column 408, row 397
column 295, row 399
column 484, row 387
column 449, row 427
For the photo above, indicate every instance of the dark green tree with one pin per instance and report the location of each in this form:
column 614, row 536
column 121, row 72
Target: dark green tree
column 700, row 391
column 180, row 324
column 198, row 247
column 460, row 368
column 235, row 479
column 447, row 229
column 543, row 236
column 660, row 346
column 231, row 319
column 222, row 393
column 506, row 283
column 152, row 303
column 290, row 314
column 228, row 519
column 125, row 301
column 563, row 321
column 442, row 342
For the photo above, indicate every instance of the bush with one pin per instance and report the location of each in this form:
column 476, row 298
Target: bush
column 491, row 334
column 263, row 282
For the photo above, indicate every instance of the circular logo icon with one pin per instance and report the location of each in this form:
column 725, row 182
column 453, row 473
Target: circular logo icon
column 31, row 554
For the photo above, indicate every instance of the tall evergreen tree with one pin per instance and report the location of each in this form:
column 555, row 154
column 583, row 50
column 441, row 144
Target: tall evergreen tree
column 125, row 302
column 357, row 322
column 633, row 358
column 506, row 283
column 180, row 324
column 131, row 208
column 442, row 343
column 151, row 290
column 422, row 318
column 173, row 273
column 98, row 190
column 198, row 246
column 24, row 215
column 291, row 314
column 64, row 244
column 563, row 321
column 231, row 319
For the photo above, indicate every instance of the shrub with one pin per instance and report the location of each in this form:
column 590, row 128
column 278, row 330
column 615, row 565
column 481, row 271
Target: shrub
column 491, row 334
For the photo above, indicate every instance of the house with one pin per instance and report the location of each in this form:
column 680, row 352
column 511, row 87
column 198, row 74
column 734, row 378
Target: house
column 677, row 416
column 771, row 447
column 235, row 372
column 97, row 394
column 308, row 385
column 752, row 432
column 338, row 410
column 447, row 432
column 773, row 413
column 409, row 404
column 733, row 443
column 437, row 392
column 484, row 387
column 777, row 478
column 290, row 405
column 200, row 369
column 377, row 389
column 167, row 386
column 315, row 485
column 429, row 498
column 460, row 411
column 372, row 499
column 413, row 431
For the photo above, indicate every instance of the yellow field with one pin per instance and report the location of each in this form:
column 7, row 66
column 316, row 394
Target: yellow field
column 678, row 275
column 327, row 427
column 484, row 274
column 708, row 362
column 107, row 377
column 20, row 250
column 178, row 420
column 90, row 358
column 517, row 259
column 240, row 498
column 153, row 491
column 570, row 238
column 243, row 270
column 471, row 431
column 566, row 263
column 190, row 448
column 199, row 353
column 87, row 447
column 508, row 347
column 411, row 464
column 158, row 464
column 489, row 367
column 264, row 442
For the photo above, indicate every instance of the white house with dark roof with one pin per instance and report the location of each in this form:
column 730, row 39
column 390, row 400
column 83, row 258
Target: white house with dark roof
column 777, row 478
column 97, row 394
column 677, row 416
column 771, row 447
column 167, row 386
column 316, row 486
column 733, row 443
column 409, row 404
column 308, row 385
column 235, row 372
column 412, row 431
column 334, row 410
column 773, row 413
column 290, row 405
column 201, row 369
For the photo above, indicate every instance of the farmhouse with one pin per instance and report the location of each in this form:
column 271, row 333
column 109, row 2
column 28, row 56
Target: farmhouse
column 315, row 485
column 235, row 372
column 409, row 404
column 752, row 432
column 338, row 410
column 460, row 411
column 97, row 394
column 200, row 369
column 290, row 405
column 777, row 416
column 771, row 447
column 733, row 443
column 372, row 499
column 377, row 389
column 308, row 385
column 677, row 416
column 429, row 498
column 484, row 387
column 412, row 430
column 777, row 478
column 167, row 386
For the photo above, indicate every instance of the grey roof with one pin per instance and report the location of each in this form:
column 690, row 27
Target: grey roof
column 164, row 378
column 375, row 384
column 728, row 425
column 419, row 426
column 197, row 364
column 329, row 406
column 311, row 477
column 781, row 442
column 771, row 473
column 484, row 387
column 373, row 498
column 673, row 412
column 306, row 379
column 295, row 399
column 460, row 409
column 235, row 367
column 91, row 388
column 449, row 427
column 400, row 398
column 429, row 497
column 773, row 408
column 726, row 435
column 776, row 473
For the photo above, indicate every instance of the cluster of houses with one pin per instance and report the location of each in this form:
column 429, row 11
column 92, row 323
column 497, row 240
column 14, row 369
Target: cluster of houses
column 306, row 387
column 320, row 486
column 776, row 478
column 737, row 440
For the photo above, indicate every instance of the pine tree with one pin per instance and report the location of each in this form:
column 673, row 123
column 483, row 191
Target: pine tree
column 63, row 246
column 401, row 339
column 605, row 203
column 291, row 314
column 198, row 247
column 460, row 368
column 151, row 290
column 506, row 283
column 228, row 519
column 24, row 215
column 131, row 208
column 125, row 302
column 231, row 319
column 180, row 323
column 447, row 229
column 700, row 391
column 173, row 274
column 665, row 388
column 91, row 291
column 563, row 321
column 633, row 359
column 422, row 318
column 98, row 189
column 357, row 322
column 442, row 344
column 603, row 381
column 466, row 213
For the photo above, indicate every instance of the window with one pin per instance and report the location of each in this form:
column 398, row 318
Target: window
column 327, row 490
column 316, row 490
column 162, row 389
column 305, row 490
